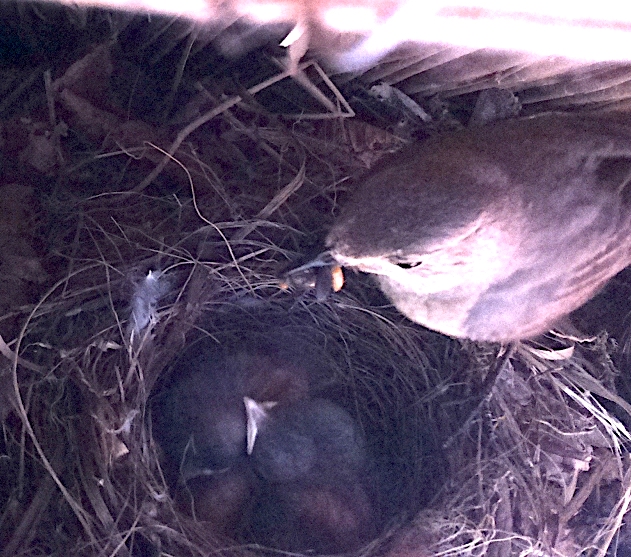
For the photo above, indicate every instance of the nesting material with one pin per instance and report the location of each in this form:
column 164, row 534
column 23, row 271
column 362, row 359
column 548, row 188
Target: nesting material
column 482, row 452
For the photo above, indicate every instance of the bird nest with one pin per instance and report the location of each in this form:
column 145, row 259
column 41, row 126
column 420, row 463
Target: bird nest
column 128, row 239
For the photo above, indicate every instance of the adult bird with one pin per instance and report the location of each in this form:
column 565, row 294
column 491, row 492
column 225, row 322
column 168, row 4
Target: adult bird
column 495, row 233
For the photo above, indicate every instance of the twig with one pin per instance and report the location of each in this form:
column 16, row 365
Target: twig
column 486, row 390
column 188, row 130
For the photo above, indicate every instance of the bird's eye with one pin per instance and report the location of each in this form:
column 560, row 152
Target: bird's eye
column 409, row 265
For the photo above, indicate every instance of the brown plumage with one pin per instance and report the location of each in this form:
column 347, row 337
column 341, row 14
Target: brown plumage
column 495, row 233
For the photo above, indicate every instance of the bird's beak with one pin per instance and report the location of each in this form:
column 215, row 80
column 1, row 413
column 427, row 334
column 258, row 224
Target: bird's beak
column 256, row 414
column 322, row 273
column 324, row 259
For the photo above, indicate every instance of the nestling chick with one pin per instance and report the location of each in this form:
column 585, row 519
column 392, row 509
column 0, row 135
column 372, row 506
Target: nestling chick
column 200, row 420
column 223, row 498
column 313, row 458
